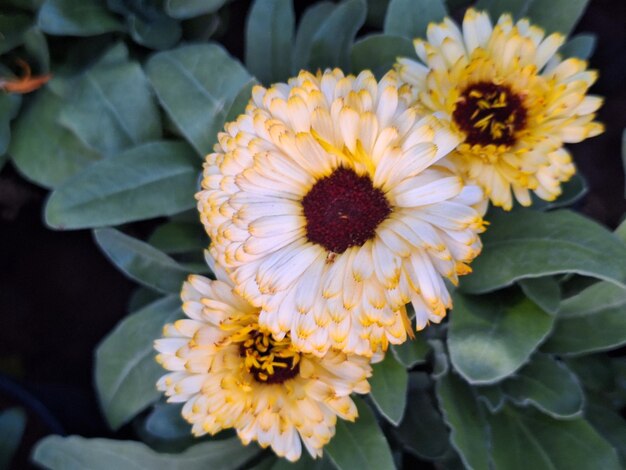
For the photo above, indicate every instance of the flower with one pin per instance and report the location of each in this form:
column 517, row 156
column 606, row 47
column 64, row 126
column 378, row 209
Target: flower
column 327, row 206
column 514, row 100
column 232, row 373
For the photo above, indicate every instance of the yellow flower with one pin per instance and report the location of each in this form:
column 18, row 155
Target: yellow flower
column 511, row 96
column 232, row 373
column 326, row 203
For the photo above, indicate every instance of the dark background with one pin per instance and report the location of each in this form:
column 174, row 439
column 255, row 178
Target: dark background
column 59, row 296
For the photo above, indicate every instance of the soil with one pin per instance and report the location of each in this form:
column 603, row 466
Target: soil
column 59, row 296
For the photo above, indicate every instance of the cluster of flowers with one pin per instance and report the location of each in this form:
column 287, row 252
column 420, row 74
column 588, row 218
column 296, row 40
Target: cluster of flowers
column 335, row 201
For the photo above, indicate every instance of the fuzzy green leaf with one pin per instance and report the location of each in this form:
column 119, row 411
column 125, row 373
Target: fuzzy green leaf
column 44, row 151
column 332, row 42
column 185, row 9
column 12, row 424
column 126, row 371
column 72, row 18
column 490, row 337
column 269, row 40
column 526, row 243
column 610, row 425
column 410, row 19
column 12, row 30
column 309, row 24
column 140, row 261
column 594, row 320
column 544, row 291
column 581, row 46
column 379, row 52
column 546, row 442
column 9, row 107
column 150, row 180
column 111, row 108
column 548, row 385
column 389, row 383
column 179, row 237
column 196, row 85
column 360, row 444
column 411, row 352
column 78, row 453
column 461, row 411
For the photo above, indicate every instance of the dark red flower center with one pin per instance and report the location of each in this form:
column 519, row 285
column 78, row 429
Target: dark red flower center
column 343, row 210
column 269, row 361
column 490, row 114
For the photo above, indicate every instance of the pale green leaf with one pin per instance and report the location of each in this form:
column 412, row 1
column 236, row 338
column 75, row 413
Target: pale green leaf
column 197, row 84
column 184, row 9
column 528, row 243
column 12, row 425
column 462, row 413
column 389, row 383
column 72, row 18
column 332, row 42
column 545, row 442
column 159, row 32
column 379, row 52
column 548, row 385
column 36, row 46
column 44, row 151
column 12, row 30
column 610, row 425
column 360, row 445
column 150, row 180
column 544, row 291
column 581, row 46
column 111, row 108
column 411, row 352
column 269, row 40
column 141, row 297
column 309, row 24
column 78, row 453
column 241, row 101
column 126, row 371
column 556, row 15
column 572, row 191
column 495, row 8
column 593, row 320
column 490, row 337
column 410, row 18
column 9, row 107
column 179, row 237
column 422, row 430
column 140, row 261
column 491, row 396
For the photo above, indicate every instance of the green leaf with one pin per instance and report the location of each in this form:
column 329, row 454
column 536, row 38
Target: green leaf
column 12, row 29
column 150, row 180
column 36, row 46
column 492, row 397
column 422, row 430
column 547, row 443
column 309, row 24
column 140, row 261
column 548, row 385
column 159, row 32
column 610, row 425
column 111, row 108
column 594, row 371
column 410, row 19
column 593, row 320
column 527, row 243
column 544, row 291
column 141, row 297
column 12, row 424
column 572, row 191
column 126, row 371
column 9, row 107
column 166, row 422
column 495, row 8
column 490, row 337
column 556, row 15
column 389, row 383
column 196, row 85
column 411, row 352
column 461, row 412
column 269, row 40
column 241, row 101
column 184, row 9
column 620, row 231
column 332, row 42
column 71, row 18
column 379, row 52
column 44, row 151
column 360, row 444
column 581, row 46
column 78, row 453
column 179, row 237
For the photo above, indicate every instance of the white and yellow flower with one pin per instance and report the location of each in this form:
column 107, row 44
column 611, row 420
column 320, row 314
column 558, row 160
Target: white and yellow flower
column 232, row 373
column 327, row 204
column 511, row 96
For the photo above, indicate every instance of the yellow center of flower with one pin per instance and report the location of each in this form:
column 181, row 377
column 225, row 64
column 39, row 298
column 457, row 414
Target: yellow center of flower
column 490, row 114
column 270, row 361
